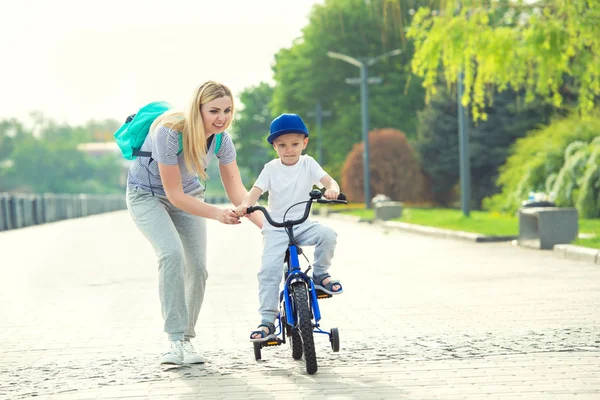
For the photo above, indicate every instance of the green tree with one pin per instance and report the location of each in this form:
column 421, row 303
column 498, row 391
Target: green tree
column 48, row 161
column 43, row 166
column 521, row 45
column 10, row 131
column 489, row 141
column 305, row 74
column 251, row 128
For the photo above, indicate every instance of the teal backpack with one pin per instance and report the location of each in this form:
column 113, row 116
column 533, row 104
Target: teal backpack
column 131, row 135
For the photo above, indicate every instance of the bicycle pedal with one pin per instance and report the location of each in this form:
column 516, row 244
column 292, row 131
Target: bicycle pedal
column 323, row 295
column 272, row 342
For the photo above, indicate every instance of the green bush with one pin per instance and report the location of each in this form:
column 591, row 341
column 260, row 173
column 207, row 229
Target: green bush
column 588, row 200
column 577, row 184
column 567, row 180
column 536, row 163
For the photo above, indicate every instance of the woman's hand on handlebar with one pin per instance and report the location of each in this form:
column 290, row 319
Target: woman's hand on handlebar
column 331, row 194
column 228, row 217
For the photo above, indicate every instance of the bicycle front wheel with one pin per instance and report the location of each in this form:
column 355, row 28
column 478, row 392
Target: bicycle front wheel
column 304, row 318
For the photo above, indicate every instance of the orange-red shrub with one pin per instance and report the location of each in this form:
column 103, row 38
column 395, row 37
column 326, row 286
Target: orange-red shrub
column 394, row 169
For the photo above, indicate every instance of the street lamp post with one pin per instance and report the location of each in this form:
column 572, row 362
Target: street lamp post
column 463, row 151
column 319, row 113
column 363, row 64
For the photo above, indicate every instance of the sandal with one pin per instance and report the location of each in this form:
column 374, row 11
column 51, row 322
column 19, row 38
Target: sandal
column 264, row 336
column 328, row 288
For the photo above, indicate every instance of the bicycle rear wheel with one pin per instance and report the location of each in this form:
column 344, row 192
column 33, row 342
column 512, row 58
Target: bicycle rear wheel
column 304, row 318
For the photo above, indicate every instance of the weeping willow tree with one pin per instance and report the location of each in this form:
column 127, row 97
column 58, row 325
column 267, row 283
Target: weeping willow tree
column 533, row 46
column 562, row 157
column 578, row 181
column 588, row 200
column 565, row 183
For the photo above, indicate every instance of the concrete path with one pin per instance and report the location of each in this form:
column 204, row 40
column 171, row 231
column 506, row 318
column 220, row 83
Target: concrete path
column 421, row 318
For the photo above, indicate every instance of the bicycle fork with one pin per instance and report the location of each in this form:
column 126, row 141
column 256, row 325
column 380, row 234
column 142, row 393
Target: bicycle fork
column 296, row 275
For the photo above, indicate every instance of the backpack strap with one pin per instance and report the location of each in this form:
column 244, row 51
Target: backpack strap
column 140, row 153
column 209, row 142
column 218, row 136
column 180, row 144
column 219, row 139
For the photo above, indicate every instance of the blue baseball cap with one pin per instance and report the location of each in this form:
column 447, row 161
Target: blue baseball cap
column 286, row 123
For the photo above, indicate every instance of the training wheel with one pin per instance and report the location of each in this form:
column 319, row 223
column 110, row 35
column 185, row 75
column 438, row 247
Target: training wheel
column 334, row 338
column 257, row 351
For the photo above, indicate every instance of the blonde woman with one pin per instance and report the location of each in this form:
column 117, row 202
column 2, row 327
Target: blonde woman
column 166, row 201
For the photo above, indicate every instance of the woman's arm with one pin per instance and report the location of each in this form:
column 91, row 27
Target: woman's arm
column 232, row 182
column 171, row 180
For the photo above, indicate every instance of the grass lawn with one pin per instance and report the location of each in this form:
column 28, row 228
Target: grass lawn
column 483, row 222
column 589, row 226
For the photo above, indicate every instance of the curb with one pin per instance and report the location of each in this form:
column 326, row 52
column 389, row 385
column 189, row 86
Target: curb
column 567, row 251
column 426, row 230
column 580, row 253
column 444, row 233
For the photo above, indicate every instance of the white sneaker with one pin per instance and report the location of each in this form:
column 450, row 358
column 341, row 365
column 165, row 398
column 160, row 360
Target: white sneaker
column 190, row 355
column 174, row 355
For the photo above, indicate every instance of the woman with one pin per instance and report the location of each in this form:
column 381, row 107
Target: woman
column 166, row 201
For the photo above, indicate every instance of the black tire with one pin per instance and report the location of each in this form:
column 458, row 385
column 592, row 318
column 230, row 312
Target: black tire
column 304, row 317
column 335, row 339
column 257, row 354
column 296, row 345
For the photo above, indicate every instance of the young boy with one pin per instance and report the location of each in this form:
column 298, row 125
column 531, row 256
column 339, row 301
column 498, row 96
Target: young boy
column 289, row 179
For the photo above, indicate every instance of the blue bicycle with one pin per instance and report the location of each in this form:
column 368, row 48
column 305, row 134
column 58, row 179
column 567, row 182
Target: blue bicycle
column 299, row 313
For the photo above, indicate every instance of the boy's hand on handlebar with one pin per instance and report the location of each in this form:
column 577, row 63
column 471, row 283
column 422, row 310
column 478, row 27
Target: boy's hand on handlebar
column 228, row 217
column 240, row 210
column 331, row 194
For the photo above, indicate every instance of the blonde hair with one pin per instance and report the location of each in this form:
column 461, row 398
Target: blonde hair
column 191, row 124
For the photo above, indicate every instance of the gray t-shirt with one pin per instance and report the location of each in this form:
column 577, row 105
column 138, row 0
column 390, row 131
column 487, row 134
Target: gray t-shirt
column 164, row 145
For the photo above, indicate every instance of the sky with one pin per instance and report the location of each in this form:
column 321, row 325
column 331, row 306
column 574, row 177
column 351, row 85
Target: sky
column 76, row 60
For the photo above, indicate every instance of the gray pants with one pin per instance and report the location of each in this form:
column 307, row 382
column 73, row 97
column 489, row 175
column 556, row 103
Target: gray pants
column 179, row 241
column 275, row 242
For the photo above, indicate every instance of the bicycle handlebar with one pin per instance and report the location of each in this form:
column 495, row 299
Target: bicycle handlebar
column 315, row 195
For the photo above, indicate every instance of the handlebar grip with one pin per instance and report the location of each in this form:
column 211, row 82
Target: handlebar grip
column 341, row 196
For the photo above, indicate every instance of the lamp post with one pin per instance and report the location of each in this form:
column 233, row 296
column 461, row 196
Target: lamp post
column 363, row 64
column 463, row 151
column 319, row 113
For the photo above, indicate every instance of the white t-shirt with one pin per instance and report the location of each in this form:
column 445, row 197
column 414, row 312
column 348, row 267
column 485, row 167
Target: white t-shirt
column 288, row 185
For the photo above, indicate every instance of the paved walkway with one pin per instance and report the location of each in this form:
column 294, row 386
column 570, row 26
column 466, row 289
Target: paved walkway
column 421, row 318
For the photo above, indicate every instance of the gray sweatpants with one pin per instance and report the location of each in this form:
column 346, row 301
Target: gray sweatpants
column 179, row 241
column 275, row 242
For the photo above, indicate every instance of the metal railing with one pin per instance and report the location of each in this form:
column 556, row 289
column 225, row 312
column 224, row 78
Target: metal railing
column 19, row 210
